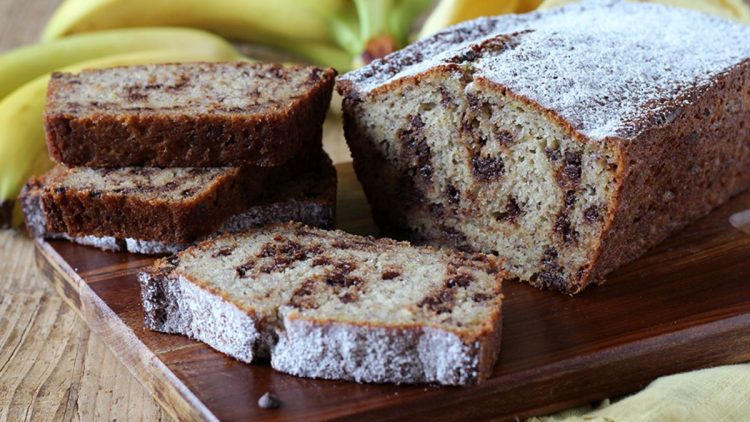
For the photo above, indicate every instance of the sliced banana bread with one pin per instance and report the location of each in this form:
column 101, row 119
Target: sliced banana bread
column 186, row 115
column 309, row 198
column 328, row 304
column 567, row 141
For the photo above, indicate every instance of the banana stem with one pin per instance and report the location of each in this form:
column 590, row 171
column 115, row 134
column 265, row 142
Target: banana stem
column 373, row 17
column 403, row 17
column 345, row 32
column 373, row 23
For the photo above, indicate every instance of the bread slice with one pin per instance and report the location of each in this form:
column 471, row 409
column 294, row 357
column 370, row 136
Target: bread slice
column 309, row 199
column 327, row 304
column 568, row 141
column 186, row 115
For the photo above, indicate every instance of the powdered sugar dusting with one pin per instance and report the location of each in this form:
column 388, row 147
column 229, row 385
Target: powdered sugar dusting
column 374, row 354
column 602, row 65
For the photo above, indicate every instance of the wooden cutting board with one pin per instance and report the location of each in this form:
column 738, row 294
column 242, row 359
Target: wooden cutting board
column 684, row 305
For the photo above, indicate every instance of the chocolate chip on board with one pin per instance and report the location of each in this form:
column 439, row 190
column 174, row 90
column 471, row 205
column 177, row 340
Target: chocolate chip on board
column 269, row 401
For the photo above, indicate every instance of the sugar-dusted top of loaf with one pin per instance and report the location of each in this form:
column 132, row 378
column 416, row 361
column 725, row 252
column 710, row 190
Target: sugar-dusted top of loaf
column 603, row 65
column 198, row 88
column 145, row 183
column 338, row 277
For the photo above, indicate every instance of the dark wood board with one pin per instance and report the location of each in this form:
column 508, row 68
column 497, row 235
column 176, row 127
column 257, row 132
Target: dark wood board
column 684, row 305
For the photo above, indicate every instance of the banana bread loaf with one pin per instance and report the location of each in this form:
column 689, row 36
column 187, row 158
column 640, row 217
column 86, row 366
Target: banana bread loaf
column 327, row 304
column 186, row 115
column 309, row 198
column 567, row 141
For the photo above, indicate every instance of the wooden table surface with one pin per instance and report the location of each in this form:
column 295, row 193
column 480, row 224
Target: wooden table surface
column 51, row 366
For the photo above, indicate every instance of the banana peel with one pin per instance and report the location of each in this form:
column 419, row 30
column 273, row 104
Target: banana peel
column 22, row 142
column 451, row 12
column 244, row 20
column 736, row 10
column 26, row 63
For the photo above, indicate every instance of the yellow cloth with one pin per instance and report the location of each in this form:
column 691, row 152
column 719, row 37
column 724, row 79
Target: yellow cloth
column 712, row 395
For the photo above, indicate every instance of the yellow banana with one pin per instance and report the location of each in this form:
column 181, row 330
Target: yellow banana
column 26, row 63
column 451, row 12
column 22, row 139
column 736, row 10
column 246, row 20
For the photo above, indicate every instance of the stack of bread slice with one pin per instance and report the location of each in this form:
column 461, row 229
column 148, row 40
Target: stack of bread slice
column 156, row 157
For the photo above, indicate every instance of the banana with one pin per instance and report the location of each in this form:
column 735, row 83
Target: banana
column 451, row 12
column 384, row 26
column 24, row 64
column 736, row 10
column 245, row 20
column 23, row 151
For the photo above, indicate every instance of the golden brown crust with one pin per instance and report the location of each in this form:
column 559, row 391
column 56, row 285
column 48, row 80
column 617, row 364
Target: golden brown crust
column 696, row 159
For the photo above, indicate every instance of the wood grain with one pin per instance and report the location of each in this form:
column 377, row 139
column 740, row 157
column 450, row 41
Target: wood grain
column 684, row 305
column 51, row 367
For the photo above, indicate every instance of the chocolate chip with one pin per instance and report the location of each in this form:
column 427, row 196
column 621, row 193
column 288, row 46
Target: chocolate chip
column 551, row 280
column 345, row 267
column 459, row 280
column 95, row 194
column 188, row 192
column 564, row 230
column 454, row 196
column 60, row 190
column 487, row 168
column 337, row 279
column 446, row 99
column 416, row 148
column 244, row 269
column 301, row 297
column 222, row 252
column 389, row 275
column 454, row 235
column 570, row 175
column 592, row 214
column 473, row 101
column 511, row 212
column 269, row 401
column 322, row 260
column 552, row 154
column 348, row 297
column 550, row 253
column 439, row 303
column 268, row 250
column 570, row 199
column 504, row 137
column 481, row 297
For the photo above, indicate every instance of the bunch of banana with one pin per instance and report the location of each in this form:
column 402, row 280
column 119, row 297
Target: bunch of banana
column 338, row 33
column 24, row 74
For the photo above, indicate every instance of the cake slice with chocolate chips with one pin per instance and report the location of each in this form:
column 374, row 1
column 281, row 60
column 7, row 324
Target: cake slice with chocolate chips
column 186, row 115
column 327, row 304
column 151, row 210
